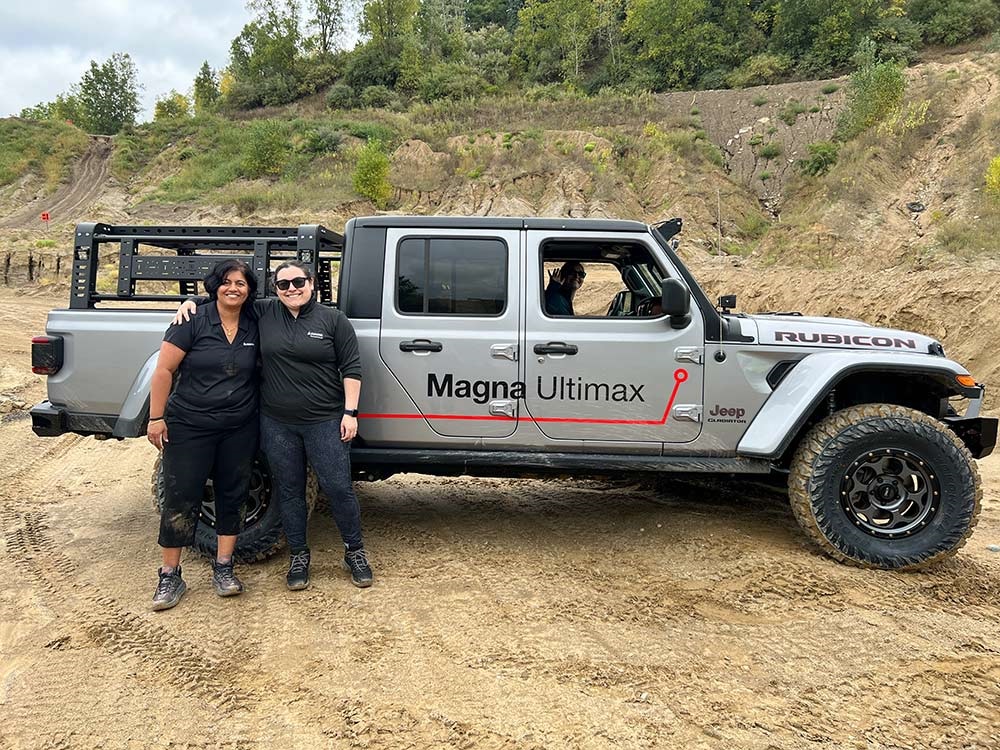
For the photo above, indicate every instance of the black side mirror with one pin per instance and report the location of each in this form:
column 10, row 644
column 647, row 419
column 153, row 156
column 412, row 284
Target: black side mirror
column 676, row 302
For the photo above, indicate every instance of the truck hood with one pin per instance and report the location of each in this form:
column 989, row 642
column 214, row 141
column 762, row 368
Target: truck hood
column 838, row 333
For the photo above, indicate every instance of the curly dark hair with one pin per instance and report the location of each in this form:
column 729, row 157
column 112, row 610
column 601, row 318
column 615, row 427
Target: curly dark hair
column 222, row 269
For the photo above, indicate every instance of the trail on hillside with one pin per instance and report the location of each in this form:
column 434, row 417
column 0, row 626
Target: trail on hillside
column 85, row 186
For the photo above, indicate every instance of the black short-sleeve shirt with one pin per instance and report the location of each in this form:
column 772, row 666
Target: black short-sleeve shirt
column 216, row 383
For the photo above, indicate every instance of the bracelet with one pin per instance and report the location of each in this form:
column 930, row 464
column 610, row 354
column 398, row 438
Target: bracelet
column 156, row 419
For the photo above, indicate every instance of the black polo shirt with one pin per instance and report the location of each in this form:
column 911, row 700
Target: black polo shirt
column 304, row 361
column 216, row 384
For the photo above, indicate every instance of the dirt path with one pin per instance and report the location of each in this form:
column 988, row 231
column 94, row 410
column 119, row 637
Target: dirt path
column 506, row 614
column 86, row 185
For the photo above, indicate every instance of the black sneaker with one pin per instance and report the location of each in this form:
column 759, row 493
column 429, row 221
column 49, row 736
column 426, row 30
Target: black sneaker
column 224, row 579
column 298, row 570
column 169, row 590
column 356, row 561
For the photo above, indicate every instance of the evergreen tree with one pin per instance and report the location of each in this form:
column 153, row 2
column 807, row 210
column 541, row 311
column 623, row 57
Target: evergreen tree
column 206, row 90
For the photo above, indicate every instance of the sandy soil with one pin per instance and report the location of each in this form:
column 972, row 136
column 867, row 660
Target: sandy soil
column 527, row 614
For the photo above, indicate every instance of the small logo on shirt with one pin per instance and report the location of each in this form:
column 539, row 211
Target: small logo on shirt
column 314, row 334
column 248, row 343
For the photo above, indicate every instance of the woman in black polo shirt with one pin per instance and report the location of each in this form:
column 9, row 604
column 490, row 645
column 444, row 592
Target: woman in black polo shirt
column 310, row 387
column 208, row 427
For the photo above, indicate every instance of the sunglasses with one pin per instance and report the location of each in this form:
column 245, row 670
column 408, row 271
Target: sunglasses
column 298, row 282
column 578, row 274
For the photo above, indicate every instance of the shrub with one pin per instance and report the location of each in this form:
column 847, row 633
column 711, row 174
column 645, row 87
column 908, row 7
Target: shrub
column 377, row 96
column 323, row 140
column 265, row 149
column 371, row 175
column 765, row 176
column 759, row 69
column 992, row 178
column 770, row 151
column 759, row 101
column 830, row 88
column 876, row 91
column 791, row 111
column 822, row 157
column 953, row 21
column 340, row 96
column 451, row 80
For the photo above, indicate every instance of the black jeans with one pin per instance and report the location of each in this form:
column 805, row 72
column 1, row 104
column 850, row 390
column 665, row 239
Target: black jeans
column 287, row 447
column 192, row 456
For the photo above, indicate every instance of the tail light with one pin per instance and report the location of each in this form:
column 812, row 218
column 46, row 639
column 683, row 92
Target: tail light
column 46, row 354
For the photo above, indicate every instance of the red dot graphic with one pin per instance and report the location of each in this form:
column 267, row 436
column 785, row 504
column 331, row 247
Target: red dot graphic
column 680, row 375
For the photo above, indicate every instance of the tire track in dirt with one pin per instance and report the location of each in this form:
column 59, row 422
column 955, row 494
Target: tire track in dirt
column 31, row 549
column 89, row 177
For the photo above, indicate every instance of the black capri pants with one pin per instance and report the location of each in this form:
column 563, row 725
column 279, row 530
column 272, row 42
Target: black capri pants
column 190, row 457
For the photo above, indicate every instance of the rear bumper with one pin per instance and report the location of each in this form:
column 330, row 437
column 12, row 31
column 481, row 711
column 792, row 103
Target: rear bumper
column 48, row 420
column 978, row 433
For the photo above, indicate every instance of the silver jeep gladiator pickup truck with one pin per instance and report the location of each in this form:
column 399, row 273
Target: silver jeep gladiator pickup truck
column 470, row 370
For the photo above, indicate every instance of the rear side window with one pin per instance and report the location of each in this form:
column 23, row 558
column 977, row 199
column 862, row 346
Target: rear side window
column 451, row 276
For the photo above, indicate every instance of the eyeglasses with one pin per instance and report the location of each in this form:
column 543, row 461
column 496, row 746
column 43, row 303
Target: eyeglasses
column 298, row 282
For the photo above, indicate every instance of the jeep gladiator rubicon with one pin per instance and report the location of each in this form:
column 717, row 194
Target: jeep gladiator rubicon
column 465, row 371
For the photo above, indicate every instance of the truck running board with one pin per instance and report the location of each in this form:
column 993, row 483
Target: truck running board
column 378, row 461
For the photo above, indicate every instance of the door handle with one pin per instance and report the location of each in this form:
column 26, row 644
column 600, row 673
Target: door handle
column 556, row 347
column 420, row 345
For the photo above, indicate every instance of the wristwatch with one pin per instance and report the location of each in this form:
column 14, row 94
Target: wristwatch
column 351, row 413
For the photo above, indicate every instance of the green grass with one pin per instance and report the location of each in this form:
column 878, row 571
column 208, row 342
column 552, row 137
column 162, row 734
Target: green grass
column 759, row 101
column 830, row 88
column 46, row 148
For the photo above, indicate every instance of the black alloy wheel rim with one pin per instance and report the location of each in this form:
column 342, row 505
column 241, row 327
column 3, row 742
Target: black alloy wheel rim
column 257, row 502
column 890, row 493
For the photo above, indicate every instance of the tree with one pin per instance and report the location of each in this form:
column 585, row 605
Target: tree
column 553, row 38
column 479, row 13
column 371, row 175
column 109, row 95
column 439, row 25
column 263, row 56
column 676, row 38
column 385, row 22
column 206, row 89
column 329, row 23
column 173, row 106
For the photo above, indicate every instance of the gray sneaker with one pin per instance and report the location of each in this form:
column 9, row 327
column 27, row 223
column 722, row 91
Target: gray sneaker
column 224, row 579
column 298, row 570
column 356, row 561
column 169, row 590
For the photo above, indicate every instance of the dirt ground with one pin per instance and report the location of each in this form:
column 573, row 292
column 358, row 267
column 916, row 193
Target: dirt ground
column 505, row 614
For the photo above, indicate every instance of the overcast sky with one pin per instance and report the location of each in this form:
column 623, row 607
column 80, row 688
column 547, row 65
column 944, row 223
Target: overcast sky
column 46, row 45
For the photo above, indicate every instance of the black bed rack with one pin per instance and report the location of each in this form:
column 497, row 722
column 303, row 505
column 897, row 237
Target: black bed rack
column 196, row 250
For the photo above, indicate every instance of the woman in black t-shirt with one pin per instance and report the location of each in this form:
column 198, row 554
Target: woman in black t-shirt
column 208, row 427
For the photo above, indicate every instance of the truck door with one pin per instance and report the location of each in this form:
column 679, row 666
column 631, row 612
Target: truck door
column 450, row 327
column 602, row 363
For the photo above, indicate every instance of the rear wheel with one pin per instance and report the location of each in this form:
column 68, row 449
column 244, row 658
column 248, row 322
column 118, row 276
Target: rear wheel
column 884, row 486
column 261, row 536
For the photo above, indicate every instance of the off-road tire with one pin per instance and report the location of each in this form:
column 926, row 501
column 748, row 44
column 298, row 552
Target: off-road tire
column 826, row 456
column 262, row 535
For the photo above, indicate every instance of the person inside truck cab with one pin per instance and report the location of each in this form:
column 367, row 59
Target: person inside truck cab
column 563, row 286
column 310, row 389
column 206, row 425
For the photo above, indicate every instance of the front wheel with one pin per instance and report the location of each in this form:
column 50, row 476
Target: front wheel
column 884, row 486
column 261, row 536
